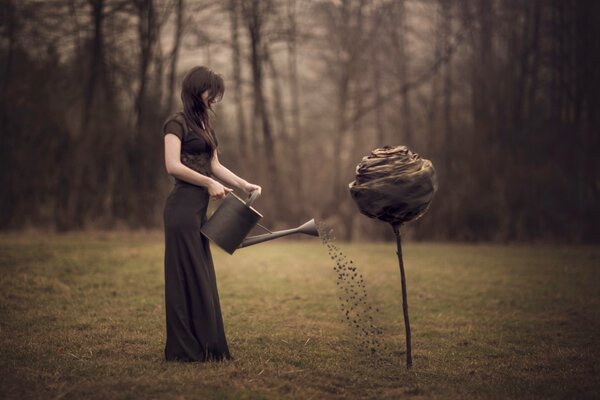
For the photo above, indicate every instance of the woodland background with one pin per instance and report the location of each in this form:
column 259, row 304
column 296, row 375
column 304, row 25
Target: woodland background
column 501, row 95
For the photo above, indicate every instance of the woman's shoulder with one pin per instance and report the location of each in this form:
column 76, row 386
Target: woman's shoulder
column 175, row 123
column 177, row 116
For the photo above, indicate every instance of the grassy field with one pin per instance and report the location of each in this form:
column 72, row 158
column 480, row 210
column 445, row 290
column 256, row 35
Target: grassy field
column 82, row 316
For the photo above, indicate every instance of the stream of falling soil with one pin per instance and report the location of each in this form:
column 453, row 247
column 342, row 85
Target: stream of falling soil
column 356, row 310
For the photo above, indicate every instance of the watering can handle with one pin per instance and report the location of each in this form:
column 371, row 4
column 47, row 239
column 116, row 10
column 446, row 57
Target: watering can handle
column 251, row 198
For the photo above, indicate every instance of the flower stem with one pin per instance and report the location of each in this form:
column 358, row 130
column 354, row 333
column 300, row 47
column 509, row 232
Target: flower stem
column 396, row 229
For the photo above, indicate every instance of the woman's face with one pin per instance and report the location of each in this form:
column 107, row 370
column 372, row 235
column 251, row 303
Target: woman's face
column 205, row 99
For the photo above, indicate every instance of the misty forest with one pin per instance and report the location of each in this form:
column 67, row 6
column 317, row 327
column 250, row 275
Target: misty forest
column 501, row 95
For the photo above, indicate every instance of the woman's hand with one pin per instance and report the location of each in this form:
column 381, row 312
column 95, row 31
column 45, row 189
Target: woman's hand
column 218, row 191
column 250, row 187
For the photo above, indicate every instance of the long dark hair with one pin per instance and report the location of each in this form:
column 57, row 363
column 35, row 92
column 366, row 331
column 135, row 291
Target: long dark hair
column 195, row 82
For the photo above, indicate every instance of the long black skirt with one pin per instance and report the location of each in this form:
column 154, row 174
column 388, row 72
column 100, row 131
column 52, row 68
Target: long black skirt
column 193, row 313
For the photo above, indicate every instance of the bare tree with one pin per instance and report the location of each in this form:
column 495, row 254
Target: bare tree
column 398, row 33
column 255, row 13
column 180, row 7
column 238, row 94
column 148, row 35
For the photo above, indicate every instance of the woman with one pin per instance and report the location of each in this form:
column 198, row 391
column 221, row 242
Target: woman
column 193, row 313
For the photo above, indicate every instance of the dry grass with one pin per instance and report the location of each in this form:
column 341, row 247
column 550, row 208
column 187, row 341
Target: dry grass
column 82, row 316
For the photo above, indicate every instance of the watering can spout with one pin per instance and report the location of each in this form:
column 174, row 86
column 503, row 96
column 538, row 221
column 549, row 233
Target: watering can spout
column 231, row 222
column 308, row 228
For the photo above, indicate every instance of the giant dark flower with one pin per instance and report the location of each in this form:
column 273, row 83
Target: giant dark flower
column 394, row 184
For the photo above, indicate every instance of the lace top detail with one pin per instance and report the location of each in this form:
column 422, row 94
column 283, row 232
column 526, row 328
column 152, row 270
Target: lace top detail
column 198, row 162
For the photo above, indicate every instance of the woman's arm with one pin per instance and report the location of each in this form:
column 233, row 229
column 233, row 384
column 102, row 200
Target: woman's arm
column 175, row 168
column 225, row 175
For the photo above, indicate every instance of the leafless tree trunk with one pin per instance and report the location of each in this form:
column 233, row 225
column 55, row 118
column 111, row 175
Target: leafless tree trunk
column 11, row 21
column 73, row 211
column 147, row 31
column 447, row 87
column 278, row 102
column 535, row 65
column 234, row 10
column 432, row 107
column 97, row 63
column 255, row 12
column 180, row 5
column 297, row 137
column 377, row 87
column 350, row 36
column 398, row 37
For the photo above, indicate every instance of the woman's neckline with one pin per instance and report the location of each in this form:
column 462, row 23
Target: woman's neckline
column 202, row 122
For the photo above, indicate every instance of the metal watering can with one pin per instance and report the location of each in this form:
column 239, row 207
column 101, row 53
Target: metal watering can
column 231, row 222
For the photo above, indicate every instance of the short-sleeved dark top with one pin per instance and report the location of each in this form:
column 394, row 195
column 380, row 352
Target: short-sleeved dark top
column 195, row 151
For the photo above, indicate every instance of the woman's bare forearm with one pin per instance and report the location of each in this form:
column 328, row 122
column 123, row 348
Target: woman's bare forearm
column 187, row 174
column 225, row 175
